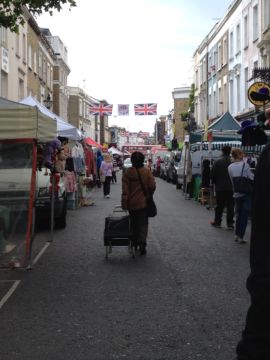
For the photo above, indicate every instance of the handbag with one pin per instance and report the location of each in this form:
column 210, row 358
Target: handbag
column 150, row 204
column 242, row 184
column 102, row 178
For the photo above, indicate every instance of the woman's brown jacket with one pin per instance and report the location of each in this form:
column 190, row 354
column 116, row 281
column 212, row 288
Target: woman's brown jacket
column 133, row 197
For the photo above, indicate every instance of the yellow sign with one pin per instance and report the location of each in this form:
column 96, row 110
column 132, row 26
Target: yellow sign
column 256, row 90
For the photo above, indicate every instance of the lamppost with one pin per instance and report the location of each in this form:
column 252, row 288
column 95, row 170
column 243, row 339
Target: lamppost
column 48, row 102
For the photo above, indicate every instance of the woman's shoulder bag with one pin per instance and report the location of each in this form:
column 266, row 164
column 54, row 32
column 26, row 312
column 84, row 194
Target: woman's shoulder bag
column 150, row 204
column 242, row 184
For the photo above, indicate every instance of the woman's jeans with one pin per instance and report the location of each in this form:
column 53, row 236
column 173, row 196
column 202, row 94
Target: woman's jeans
column 107, row 185
column 243, row 207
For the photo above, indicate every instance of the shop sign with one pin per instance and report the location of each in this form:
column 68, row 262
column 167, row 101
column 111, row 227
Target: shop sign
column 258, row 88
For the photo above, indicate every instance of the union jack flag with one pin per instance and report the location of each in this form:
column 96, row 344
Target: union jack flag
column 100, row 109
column 145, row 109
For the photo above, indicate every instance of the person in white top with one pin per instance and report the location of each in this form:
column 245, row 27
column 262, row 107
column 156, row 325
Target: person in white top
column 242, row 201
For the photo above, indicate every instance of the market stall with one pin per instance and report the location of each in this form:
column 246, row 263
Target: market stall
column 64, row 128
column 22, row 127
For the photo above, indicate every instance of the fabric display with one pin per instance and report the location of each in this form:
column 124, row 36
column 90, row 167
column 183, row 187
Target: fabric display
column 77, row 154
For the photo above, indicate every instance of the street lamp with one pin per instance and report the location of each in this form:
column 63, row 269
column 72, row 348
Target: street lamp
column 48, row 102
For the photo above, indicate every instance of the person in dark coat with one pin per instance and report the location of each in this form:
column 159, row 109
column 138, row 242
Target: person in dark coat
column 255, row 341
column 134, row 200
column 99, row 161
column 223, row 188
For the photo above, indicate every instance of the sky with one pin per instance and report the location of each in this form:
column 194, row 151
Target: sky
column 130, row 52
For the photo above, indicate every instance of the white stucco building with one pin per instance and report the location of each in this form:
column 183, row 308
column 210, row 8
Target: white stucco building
column 225, row 60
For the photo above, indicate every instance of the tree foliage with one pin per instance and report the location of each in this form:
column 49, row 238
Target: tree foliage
column 11, row 11
column 191, row 98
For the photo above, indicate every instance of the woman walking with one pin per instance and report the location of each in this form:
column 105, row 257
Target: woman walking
column 239, row 168
column 134, row 200
column 105, row 171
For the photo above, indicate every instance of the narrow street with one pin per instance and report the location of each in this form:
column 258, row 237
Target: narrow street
column 186, row 299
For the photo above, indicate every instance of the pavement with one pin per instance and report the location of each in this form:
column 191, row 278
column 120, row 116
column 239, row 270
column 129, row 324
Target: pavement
column 186, row 299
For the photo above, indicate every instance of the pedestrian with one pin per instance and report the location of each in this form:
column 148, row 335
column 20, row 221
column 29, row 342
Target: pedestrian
column 105, row 171
column 255, row 341
column 134, row 200
column 149, row 164
column 158, row 165
column 99, row 161
column 223, row 189
column 240, row 168
column 115, row 168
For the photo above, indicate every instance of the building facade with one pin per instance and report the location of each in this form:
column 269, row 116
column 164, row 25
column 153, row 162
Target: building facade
column 224, row 62
column 61, row 71
column 79, row 115
column 181, row 105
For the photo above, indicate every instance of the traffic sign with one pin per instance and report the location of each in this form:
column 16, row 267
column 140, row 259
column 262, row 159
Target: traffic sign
column 259, row 93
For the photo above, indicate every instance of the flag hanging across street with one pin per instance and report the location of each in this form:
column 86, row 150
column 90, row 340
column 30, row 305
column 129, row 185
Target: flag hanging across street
column 145, row 109
column 123, row 109
column 100, row 109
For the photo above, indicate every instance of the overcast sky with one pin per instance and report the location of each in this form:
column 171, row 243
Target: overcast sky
column 133, row 51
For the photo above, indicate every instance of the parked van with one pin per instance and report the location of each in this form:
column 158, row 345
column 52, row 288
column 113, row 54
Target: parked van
column 194, row 154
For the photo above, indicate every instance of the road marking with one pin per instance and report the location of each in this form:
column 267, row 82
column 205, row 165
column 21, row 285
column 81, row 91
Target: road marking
column 41, row 253
column 10, row 292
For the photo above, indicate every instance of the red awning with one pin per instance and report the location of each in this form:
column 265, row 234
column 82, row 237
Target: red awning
column 90, row 141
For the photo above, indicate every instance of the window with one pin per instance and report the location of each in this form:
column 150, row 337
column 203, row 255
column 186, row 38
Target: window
column 3, row 36
column 214, row 103
column 35, row 62
column 246, row 87
column 80, row 107
column 220, row 102
column 245, row 32
column 214, row 67
column 225, row 51
column 40, row 65
column 51, row 83
column 231, row 45
column 18, row 45
column 219, row 56
column 231, row 97
column 4, row 84
column 238, row 95
column 266, row 15
column 238, row 39
column 21, row 89
column 48, row 75
column 30, row 56
column 24, row 48
column 224, row 107
column 255, row 23
column 204, row 70
column 44, row 70
column 210, row 106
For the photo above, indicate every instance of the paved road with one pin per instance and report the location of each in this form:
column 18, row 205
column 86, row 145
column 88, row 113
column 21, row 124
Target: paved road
column 186, row 299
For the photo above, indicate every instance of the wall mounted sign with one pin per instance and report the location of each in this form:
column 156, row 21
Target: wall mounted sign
column 259, row 93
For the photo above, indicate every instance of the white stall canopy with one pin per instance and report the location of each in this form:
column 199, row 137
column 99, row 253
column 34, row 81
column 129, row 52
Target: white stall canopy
column 19, row 121
column 64, row 129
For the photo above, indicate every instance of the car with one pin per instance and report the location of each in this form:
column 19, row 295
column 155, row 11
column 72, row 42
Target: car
column 172, row 166
column 164, row 167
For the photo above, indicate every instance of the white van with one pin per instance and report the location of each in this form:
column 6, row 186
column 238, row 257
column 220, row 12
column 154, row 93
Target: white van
column 194, row 154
